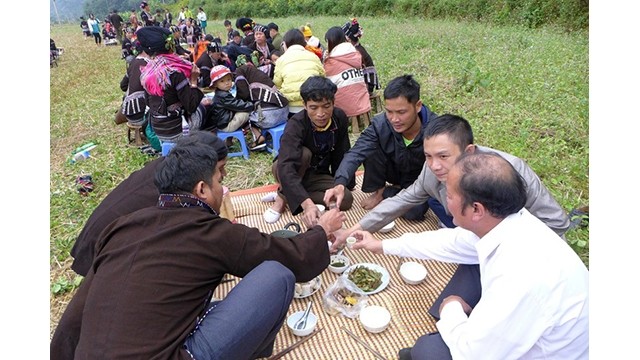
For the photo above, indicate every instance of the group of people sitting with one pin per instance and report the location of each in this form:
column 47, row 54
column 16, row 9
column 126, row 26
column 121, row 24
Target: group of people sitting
column 253, row 85
column 156, row 248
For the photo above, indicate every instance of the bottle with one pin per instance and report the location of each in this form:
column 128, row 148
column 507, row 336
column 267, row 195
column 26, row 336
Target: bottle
column 77, row 157
column 185, row 127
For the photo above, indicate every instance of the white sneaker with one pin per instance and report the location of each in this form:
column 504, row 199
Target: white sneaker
column 271, row 216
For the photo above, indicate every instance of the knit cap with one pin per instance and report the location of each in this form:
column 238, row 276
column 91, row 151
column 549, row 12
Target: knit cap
column 260, row 28
column 306, row 31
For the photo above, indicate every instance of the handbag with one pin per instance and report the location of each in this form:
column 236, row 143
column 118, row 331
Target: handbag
column 272, row 107
column 266, row 117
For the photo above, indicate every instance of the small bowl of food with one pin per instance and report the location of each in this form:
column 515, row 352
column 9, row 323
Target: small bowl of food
column 412, row 272
column 312, row 322
column 375, row 318
column 339, row 263
column 388, row 227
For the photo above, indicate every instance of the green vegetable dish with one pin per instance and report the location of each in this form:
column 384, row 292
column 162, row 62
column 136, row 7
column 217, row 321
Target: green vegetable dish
column 338, row 264
column 366, row 279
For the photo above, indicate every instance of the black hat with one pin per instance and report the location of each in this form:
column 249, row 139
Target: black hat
column 352, row 29
column 153, row 39
column 208, row 37
column 244, row 24
column 272, row 26
column 214, row 47
column 143, row 5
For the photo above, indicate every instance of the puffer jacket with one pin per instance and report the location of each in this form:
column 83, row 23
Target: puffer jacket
column 293, row 68
column 343, row 67
column 408, row 159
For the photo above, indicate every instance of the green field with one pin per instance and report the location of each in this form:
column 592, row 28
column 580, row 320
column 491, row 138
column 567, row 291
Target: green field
column 524, row 91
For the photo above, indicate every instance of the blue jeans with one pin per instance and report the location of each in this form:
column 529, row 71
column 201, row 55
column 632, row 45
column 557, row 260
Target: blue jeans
column 440, row 212
column 244, row 325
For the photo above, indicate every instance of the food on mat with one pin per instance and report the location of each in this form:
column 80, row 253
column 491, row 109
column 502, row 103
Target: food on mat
column 366, row 279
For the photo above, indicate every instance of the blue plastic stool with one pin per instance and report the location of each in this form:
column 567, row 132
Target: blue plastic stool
column 238, row 134
column 276, row 133
column 166, row 147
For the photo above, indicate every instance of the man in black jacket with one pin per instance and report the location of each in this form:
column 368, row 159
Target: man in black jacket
column 390, row 149
column 312, row 147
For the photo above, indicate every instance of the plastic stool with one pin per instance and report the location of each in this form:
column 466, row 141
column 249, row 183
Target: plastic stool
column 376, row 103
column 238, row 134
column 134, row 134
column 364, row 118
column 276, row 133
column 166, row 147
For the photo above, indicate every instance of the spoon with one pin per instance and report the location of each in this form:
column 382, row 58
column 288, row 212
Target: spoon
column 302, row 323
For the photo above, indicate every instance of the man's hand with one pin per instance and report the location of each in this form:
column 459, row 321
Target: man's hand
column 465, row 307
column 341, row 237
column 336, row 194
column 332, row 221
column 364, row 240
column 195, row 72
column 310, row 215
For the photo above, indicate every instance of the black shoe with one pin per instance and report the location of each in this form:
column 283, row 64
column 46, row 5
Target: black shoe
column 404, row 354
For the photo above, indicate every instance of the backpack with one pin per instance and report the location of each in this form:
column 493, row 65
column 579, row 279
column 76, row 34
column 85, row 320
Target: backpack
column 273, row 107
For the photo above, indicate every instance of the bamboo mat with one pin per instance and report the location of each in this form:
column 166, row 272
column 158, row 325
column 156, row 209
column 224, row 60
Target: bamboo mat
column 408, row 304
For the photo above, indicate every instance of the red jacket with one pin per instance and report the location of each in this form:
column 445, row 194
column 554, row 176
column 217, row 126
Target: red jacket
column 344, row 67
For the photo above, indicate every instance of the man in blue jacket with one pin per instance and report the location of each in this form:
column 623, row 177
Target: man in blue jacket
column 390, row 149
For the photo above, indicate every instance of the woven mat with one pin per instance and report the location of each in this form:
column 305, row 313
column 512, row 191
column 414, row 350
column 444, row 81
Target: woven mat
column 408, row 304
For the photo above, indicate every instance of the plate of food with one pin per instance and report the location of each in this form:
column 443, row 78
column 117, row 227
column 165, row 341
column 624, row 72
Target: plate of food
column 369, row 278
column 306, row 289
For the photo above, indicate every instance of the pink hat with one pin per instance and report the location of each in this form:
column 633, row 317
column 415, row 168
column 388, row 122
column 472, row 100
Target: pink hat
column 218, row 72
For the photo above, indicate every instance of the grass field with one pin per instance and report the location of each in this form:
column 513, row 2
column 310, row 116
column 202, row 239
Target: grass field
column 524, row 91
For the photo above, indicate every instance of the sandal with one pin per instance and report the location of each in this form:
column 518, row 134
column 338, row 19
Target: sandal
column 85, row 183
column 259, row 144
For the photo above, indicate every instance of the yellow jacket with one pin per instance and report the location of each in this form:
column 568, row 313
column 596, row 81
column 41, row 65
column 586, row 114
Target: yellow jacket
column 292, row 69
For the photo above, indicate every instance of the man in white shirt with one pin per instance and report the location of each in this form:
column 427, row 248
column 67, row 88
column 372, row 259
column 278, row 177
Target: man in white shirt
column 446, row 138
column 535, row 289
column 181, row 16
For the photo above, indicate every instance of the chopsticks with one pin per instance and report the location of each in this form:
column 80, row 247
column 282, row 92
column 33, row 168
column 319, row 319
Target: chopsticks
column 295, row 345
column 361, row 342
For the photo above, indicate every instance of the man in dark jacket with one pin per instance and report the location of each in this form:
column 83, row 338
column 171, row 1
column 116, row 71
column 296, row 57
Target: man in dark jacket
column 391, row 149
column 148, row 291
column 311, row 150
column 134, row 193
column 207, row 61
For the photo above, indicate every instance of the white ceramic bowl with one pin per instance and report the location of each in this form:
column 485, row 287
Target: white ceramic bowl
column 339, row 258
column 413, row 273
column 312, row 321
column 375, row 318
column 388, row 227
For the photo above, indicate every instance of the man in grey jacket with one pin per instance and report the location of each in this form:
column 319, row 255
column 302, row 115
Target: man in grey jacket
column 446, row 138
